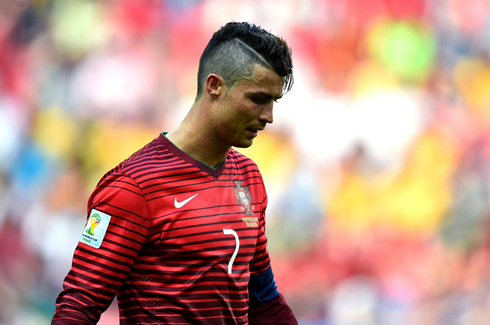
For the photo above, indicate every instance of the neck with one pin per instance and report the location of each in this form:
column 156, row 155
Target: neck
column 193, row 138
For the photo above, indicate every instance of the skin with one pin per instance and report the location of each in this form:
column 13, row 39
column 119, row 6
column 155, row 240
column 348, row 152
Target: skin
column 223, row 117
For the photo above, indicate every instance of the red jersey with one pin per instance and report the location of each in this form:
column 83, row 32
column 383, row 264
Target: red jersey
column 173, row 238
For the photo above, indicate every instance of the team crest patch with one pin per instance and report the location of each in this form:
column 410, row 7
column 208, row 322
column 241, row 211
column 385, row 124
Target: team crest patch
column 243, row 197
column 96, row 227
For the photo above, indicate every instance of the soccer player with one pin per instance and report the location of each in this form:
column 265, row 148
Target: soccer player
column 177, row 230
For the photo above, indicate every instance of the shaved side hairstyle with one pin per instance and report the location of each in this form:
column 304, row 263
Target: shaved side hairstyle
column 236, row 48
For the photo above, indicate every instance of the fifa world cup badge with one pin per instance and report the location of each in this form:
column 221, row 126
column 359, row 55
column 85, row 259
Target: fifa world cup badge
column 243, row 197
column 96, row 227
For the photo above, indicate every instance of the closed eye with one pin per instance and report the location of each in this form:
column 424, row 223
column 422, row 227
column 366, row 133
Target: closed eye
column 263, row 98
column 260, row 99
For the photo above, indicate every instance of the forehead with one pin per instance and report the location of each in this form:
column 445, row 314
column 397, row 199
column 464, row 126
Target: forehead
column 262, row 80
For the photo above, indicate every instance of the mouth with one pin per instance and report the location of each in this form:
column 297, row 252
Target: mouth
column 254, row 131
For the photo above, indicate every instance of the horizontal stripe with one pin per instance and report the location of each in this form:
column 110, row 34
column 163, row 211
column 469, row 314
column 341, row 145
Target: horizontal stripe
column 166, row 265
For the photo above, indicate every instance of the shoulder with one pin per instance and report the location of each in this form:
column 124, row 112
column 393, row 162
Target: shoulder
column 139, row 162
column 245, row 167
column 241, row 160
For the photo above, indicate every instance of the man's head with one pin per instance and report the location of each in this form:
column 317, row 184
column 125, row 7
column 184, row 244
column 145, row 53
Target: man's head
column 236, row 48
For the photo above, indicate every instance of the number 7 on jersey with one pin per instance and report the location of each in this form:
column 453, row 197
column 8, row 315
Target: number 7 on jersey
column 232, row 259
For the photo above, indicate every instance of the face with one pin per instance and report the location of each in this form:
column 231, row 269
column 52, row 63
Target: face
column 245, row 109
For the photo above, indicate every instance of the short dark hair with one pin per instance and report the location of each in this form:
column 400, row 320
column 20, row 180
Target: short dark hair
column 236, row 48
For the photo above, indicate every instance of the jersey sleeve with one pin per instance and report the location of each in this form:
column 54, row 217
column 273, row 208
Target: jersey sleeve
column 261, row 261
column 273, row 312
column 117, row 227
column 266, row 305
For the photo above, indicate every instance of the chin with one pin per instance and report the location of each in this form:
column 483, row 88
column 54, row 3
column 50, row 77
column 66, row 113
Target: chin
column 243, row 144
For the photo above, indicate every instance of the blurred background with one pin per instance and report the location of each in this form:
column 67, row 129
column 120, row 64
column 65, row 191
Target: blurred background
column 377, row 165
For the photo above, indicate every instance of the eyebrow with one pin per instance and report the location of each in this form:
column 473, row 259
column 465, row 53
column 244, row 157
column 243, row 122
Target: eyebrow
column 266, row 95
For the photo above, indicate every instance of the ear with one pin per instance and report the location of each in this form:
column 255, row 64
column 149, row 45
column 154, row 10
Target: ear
column 214, row 85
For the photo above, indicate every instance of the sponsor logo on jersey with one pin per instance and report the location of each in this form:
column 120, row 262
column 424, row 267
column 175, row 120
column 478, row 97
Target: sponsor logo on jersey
column 96, row 227
column 243, row 197
column 179, row 205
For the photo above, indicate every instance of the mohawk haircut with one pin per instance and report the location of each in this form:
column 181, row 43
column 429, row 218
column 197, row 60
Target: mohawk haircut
column 236, row 48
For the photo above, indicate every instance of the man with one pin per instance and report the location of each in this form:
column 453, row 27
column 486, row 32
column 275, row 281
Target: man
column 177, row 230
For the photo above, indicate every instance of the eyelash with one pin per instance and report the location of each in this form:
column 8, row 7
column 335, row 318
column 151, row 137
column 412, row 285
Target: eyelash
column 262, row 100
column 258, row 100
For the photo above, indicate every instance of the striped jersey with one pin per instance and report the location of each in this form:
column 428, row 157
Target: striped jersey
column 174, row 239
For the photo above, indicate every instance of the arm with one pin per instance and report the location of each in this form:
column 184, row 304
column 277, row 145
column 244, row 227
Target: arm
column 267, row 305
column 97, row 274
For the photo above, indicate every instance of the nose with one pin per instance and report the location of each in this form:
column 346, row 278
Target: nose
column 266, row 115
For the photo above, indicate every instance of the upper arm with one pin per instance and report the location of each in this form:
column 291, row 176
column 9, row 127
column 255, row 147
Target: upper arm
column 101, row 262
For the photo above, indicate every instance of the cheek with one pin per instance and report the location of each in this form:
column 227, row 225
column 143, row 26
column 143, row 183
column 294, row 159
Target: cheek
column 247, row 112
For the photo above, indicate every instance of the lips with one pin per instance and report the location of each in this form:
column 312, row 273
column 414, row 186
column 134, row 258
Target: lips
column 254, row 131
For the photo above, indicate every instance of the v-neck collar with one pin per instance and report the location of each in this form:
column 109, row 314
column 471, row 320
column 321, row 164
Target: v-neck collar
column 215, row 172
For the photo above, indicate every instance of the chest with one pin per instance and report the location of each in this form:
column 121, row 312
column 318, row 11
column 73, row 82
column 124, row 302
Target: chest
column 207, row 223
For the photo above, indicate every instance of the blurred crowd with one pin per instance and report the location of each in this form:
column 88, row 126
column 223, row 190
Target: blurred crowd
column 377, row 165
